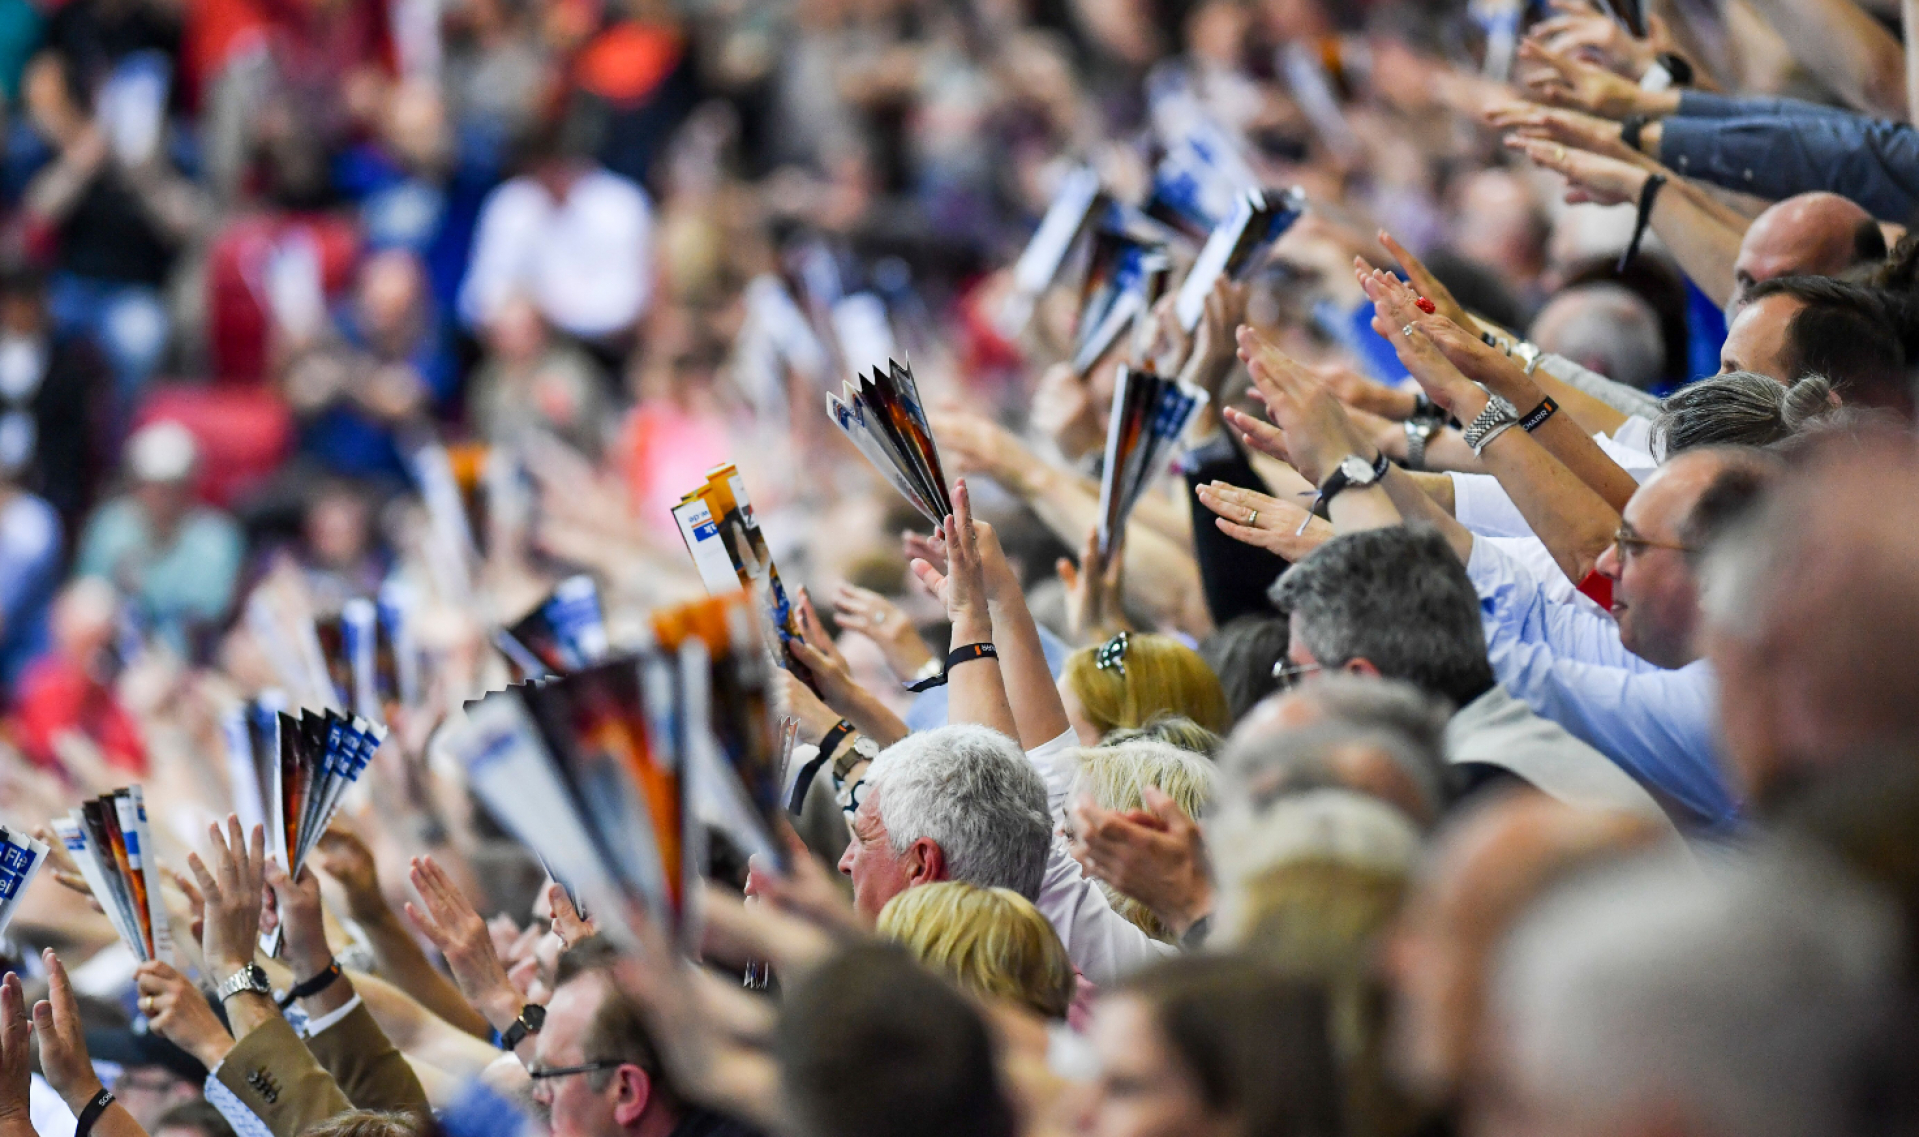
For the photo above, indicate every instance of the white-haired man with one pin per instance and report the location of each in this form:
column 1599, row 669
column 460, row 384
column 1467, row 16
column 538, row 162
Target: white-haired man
column 963, row 803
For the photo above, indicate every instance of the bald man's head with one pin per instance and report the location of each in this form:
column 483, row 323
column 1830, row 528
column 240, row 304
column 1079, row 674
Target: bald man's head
column 1813, row 234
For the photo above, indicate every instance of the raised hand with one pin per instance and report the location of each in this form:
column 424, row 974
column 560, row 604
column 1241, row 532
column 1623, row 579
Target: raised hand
column 815, row 649
column 798, row 700
column 1582, row 31
column 63, row 1041
column 1571, row 128
column 231, row 892
column 298, row 903
column 1318, row 432
column 1268, row 523
column 885, row 623
column 1213, row 350
column 1093, row 591
column 931, row 549
column 1590, row 177
column 1569, row 81
column 962, row 588
column 341, row 855
column 1155, row 855
column 448, row 919
column 178, row 1012
column 568, row 924
column 1397, row 316
column 16, row 1056
column 1425, row 283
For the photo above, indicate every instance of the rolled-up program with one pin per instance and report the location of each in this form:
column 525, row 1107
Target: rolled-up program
column 1078, row 201
column 885, row 420
column 1125, row 277
column 1149, row 416
column 1235, row 248
column 109, row 840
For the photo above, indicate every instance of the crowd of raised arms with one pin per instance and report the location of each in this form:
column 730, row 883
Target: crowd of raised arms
column 1473, row 689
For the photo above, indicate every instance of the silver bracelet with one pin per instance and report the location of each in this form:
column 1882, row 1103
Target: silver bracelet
column 1498, row 413
column 1495, row 432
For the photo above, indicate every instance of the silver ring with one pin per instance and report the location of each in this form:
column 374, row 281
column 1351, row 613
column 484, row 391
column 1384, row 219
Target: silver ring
column 1408, row 330
column 1252, row 518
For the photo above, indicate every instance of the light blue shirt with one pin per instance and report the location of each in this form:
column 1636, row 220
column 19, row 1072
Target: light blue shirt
column 1569, row 666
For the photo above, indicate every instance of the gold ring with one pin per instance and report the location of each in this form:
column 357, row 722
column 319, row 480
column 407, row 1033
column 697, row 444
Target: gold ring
column 1252, row 518
column 1560, row 153
column 146, row 1004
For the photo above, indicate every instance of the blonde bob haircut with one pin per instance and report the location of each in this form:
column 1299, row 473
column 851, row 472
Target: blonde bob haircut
column 1115, row 776
column 991, row 941
column 1152, row 675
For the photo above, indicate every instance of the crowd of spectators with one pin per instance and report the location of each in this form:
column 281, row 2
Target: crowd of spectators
column 1503, row 717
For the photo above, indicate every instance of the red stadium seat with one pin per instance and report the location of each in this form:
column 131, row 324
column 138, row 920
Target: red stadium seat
column 244, row 433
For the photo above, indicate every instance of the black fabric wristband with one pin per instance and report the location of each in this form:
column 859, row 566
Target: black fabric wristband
column 1630, row 129
column 828, row 747
column 1537, row 417
column 92, row 1112
column 964, row 654
column 1678, row 68
column 312, row 986
column 1647, row 195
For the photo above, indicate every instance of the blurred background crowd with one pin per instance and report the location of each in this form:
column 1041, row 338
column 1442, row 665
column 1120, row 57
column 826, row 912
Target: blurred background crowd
column 304, row 300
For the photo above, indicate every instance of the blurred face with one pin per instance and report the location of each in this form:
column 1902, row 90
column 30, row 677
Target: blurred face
column 1143, row 1089
column 573, row 1106
column 336, row 529
column 1655, row 595
column 389, row 290
column 1435, row 980
column 878, row 873
column 1756, row 341
column 149, row 1091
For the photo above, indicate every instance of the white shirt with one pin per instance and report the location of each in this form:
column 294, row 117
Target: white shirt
column 1481, row 504
column 1103, row 945
column 586, row 262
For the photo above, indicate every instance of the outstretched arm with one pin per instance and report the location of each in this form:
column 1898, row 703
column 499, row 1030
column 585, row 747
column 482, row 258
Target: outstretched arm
column 976, row 692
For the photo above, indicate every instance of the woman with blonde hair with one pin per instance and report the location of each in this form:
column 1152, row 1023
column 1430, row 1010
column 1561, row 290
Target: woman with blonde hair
column 1133, row 678
column 1115, row 777
column 991, row 941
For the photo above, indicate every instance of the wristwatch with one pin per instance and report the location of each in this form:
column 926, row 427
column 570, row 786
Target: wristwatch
column 1352, row 472
column 1498, row 416
column 531, row 1018
column 1419, row 432
column 863, row 749
column 249, row 978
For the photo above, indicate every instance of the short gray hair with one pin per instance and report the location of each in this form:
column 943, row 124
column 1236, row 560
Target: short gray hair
column 1742, row 991
column 1610, row 328
column 1739, row 408
column 973, row 793
column 1398, row 598
column 1387, row 716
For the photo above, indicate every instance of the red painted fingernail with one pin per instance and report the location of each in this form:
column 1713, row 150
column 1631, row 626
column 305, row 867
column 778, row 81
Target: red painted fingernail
column 1426, row 306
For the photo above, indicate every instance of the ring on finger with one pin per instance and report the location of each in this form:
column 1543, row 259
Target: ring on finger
column 1252, row 517
column 1407, row 331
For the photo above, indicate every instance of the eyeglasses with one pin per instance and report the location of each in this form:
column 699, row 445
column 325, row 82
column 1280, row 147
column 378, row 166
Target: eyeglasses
column 1288, row 674
column 1626, row 544
column 565, row 1071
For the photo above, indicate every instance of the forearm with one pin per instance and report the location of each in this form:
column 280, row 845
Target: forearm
column 420, row 1033
column 1852, row 52
column 1438, row 488
column 1702, row 235
column 400, row 959
column 1417, row 506
column 1030, row 688
column 1573, row 521
column 975, row 692
column 247, row 1012
column 1565, row 440
column 56, row 190
column 873, row 718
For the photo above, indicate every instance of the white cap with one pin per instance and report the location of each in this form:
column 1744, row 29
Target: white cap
column 162, row 452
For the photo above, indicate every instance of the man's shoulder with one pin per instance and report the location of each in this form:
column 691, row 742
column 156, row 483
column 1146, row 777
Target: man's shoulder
column 1498, row 730
column 706, row 1123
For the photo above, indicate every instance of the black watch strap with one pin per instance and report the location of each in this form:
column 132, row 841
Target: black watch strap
column 92, row 1112
column 965, row 653
column 312, row 986
column 532, row 1018
column 829, row 745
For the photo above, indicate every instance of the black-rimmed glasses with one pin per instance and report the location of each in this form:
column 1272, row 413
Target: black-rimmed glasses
column 583, row 1068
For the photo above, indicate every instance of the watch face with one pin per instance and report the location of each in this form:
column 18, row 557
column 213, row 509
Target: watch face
column 1356, row 469
column 534, row 1015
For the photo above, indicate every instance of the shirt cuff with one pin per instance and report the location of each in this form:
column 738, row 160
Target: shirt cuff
column 319, row 1025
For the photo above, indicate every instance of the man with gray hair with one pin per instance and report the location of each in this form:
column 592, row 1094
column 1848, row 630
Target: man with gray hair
column 1397, row 603
column 1605, row 328
column 964, row 803
column 1734, row 998
column 1379, row 737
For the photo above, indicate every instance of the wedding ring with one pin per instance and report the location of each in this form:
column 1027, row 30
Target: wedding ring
column 1559, row 152
column 1252, row 518
column 1408, row 330
column 146, row 1004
